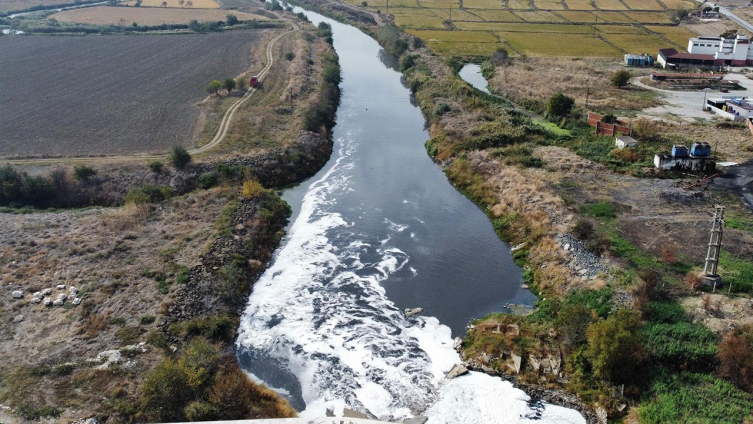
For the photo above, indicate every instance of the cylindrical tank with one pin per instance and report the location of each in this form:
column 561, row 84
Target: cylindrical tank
column 679, row 151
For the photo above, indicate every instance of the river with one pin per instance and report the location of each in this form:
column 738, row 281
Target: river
column 377, row 230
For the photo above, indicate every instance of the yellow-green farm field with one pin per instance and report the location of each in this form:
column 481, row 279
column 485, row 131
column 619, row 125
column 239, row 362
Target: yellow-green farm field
column 454, row 36
column 519, row 4
column 578, row 17
column 457, row 15
column 525, row 27
column 679, row 4
column 418, row 18
column 540, row 16
column 579, row 5
column 637, row 43
column 610, row 4
column 620, row 29
column 497, row 15
column 649, row 17
column 548, row 5
column 464, row 49
column 674, row 34
column 482, row 4
column 643, row 4
column 541, row 44
column 615, row 17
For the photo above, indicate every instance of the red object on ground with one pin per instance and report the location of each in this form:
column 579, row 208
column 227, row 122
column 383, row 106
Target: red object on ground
column 254, row 81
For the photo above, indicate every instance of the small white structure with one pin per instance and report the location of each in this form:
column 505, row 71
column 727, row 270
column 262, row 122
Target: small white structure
column 732, row 108
column 625, row 141
column 726, row 51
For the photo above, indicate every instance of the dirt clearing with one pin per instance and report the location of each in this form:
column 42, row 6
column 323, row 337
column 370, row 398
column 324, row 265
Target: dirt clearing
column 104, row 15
column 111, row 94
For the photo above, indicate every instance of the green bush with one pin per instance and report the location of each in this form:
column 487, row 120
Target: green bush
column 559, row 106
column 179, row 157
column 441, row 108
column 682, row 345
column 598, row 210
column 694, row 398
column 148, row 193
column 289, row 55
column 614, row 346
column 156, row 166
column 407, row 62
column 599, row 301
column 84, row 172
column 207, row 180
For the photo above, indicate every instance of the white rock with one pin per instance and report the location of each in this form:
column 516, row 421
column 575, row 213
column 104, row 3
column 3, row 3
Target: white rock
column 457, row 343
column 76, row 301
column 62, row 296
column 457, row 370
column 72, row 296
column 47, row 301
column 60, row 286
column 58, row 302
column 415, row 311
column 18, row 294
column 73, row 290
column 36, row 300
column 18, row 318
column 46, row 292
column 37, row 295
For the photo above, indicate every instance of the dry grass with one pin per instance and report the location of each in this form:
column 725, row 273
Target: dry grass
column 636, row 43
column 197, row 4
column 615, row 17
column 537, row 79
column 105, row 15
column 680, row 4
column 610, row 4
column 455, row 36
column 643, row 4
column 649, row 17
column 677, row 35
column 713, row 29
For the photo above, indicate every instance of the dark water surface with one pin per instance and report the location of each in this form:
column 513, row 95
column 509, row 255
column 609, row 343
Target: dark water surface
column 379, row 229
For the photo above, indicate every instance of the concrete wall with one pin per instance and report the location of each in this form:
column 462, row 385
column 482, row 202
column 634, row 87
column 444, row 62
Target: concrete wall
column 669, row 163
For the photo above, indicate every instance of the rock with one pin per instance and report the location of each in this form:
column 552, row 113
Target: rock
column 72, row 290
column 59, row 302
column 46, row 292
column 457, row 343
column 415, row 311
column 518, row 247
column 76, row 301
column 512, row 330
column 349, row 413
column 18, row 294
column 17, row 319
column 489, row 370
column 47, row 301
column 36, row 300
column 419, row 419
column 457, row 370
column 37, row 295
column 516, row 360
column 524, row 286
column 72, row 297
column 567, row 246
column 60, row 286
column 62, row 296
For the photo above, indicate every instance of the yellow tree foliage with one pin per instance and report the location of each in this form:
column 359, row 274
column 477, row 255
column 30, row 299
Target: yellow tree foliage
column 251, row 189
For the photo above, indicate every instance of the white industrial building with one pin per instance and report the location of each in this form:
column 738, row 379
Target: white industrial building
column 725, row 51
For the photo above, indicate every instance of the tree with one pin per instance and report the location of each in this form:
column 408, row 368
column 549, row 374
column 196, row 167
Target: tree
column 156, row 166
column 231, row 19
column 621, row 78
column 83, row 172
column 229, row 84
column 289, row 55
column 181, row 2
column 179, row 157
column 572, row 323
column 364, row 4
column 214, row 87
column 241, row 84
column 680, row 14
column 559, row 105
column 164, row 4
column 189, row 3
column 138, row 3
column 614, row 345
column 112, row 2
column 731, row 33
column 194, row 25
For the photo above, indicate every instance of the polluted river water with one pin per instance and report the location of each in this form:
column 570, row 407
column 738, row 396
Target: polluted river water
column 377, row 230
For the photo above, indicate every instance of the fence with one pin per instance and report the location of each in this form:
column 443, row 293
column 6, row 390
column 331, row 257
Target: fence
column 602, row 128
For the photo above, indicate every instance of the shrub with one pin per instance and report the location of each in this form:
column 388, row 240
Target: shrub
column 572, row 323
column 621, row 79
column 214, row 87
column 614, row 346
column 441, row 108
column 207, row 180
column 598, row 210
column 559, row 105
column 231, row 19
column 736, row 357
column 289, row 55
column 499, row 56
column 646, row 129
column 156, row 166
column 229, row 84
column 682, row 345
column 251, row 189
column 179, row 157
column 407, row 62
column 583, row 229
column 609, row 118
column 83, row 172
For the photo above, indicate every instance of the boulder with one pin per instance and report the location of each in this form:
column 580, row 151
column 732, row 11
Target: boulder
column 516, row 360
column 72, row 290
column 76, row 301
column 415, row 311
column 61, row 296
column 457, row 343
column 37, row 295
column 457, row 370
column 60, row 286
column 18, row 318
column 72, row 296
column 47, row 301
column 419, row 419
column 18, row 294
column 36, row 300
column 350, row 413
column 46, row 292
column 59, row 302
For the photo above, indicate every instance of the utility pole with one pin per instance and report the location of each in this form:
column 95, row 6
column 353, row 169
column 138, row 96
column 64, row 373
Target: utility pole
column 710, row 275
column 596, row 20
column 388, row 6
column 291, row 99
column 450, row 14
column 588, row 92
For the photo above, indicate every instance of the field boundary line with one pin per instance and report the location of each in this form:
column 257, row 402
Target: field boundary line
column 218, row 138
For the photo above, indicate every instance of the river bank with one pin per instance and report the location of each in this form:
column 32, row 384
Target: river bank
column 159, row 280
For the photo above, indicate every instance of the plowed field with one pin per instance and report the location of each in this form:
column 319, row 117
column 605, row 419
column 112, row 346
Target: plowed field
column 110, row 94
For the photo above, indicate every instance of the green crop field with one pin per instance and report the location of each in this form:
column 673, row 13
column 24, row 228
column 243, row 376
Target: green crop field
column 464, row 49
column 524, row 27
column 550, row 44
column 455, row 36
column 482, row 4
column 455, row 15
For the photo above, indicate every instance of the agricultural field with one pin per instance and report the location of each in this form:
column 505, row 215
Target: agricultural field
column 602, row 28
column 15, row 5
column 111, row 94
column 197, row 4
column 106, row 15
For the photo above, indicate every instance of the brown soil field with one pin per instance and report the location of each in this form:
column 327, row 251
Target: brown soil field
column 12, row 5
column 197, row 4
column 105, row 15
column 111, row 94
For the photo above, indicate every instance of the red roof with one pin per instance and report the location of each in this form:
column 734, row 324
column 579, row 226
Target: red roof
column 674, row 54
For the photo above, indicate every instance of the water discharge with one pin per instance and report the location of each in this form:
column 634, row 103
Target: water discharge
column 377, row 230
